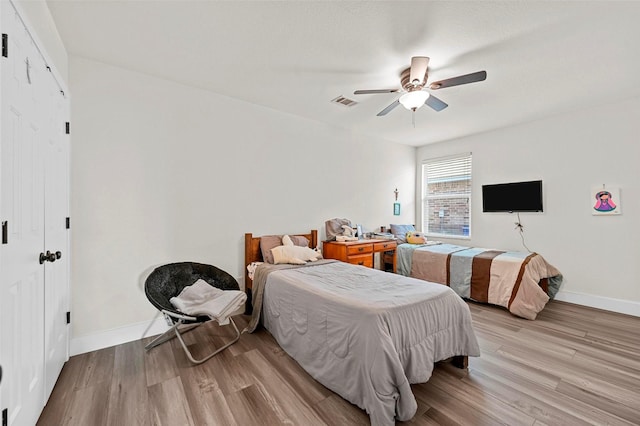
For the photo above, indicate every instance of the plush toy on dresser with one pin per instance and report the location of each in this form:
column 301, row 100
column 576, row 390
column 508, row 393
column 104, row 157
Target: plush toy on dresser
column 348, row 234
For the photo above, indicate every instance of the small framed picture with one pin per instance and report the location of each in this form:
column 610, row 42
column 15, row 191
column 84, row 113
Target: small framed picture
column 605, row 201
column 396, row 209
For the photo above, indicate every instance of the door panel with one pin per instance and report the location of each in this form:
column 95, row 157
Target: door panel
column 27, row 112
column 56, row 240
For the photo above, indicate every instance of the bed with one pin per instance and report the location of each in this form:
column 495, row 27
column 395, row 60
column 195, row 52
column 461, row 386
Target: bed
column 519, row 281
column 363, row 333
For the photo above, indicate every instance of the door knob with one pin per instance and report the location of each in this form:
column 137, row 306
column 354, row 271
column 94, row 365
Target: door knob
column 48, row 256
column 58, row 255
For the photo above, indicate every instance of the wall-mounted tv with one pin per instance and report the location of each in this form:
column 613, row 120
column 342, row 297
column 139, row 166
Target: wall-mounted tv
column 512, row 197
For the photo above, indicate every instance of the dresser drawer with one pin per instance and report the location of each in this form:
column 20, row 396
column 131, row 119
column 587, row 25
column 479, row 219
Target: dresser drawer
column 359, row 249
column 361, row 252
column 391, row 245
column 361, row 259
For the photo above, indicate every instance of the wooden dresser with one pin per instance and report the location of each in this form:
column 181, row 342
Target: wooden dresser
column 359, row 252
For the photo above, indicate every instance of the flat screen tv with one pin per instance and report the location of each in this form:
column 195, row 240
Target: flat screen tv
column 512, row 197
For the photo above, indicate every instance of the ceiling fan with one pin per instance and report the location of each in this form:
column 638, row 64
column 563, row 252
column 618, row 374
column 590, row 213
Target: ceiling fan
column 414, row 81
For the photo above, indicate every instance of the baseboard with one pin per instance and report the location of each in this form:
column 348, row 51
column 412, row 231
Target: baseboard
column 117, row 336
column 607, row 303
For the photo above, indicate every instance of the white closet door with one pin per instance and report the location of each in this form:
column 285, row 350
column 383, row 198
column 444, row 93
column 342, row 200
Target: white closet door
column 22, row 206
column 34, row 194
column 56, row 238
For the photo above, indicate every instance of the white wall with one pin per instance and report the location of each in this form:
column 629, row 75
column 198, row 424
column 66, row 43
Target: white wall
column 162, row 173
column 597, row 255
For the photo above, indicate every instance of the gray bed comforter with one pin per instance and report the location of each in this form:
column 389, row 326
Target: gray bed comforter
column 363, row 333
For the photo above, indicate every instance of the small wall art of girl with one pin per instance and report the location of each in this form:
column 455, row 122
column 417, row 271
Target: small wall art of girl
column 604, row 202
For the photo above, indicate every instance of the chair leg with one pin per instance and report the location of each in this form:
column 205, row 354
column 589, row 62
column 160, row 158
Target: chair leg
column 170, row 334
column 200, row 361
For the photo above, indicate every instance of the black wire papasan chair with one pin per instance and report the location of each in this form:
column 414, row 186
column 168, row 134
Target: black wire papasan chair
column 168, row 281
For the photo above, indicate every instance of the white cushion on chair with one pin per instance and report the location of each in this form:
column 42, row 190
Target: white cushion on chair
column 201, row 298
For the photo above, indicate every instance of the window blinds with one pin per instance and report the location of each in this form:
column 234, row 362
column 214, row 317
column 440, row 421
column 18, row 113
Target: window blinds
column 448, row 169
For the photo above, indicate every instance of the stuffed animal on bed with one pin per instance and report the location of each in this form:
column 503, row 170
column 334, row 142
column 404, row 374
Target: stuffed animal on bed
column 416, row 238
column 291, row 253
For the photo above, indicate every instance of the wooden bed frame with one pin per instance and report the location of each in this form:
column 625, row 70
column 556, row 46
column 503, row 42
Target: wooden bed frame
column 252, row 253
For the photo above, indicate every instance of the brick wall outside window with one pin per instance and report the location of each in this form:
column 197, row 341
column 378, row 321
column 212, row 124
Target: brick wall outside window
column 446, row 203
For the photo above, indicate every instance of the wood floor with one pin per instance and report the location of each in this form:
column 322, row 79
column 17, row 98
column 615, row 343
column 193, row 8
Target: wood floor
column 571, row 366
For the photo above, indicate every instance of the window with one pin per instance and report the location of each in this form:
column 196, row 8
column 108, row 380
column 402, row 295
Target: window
column 446, row 196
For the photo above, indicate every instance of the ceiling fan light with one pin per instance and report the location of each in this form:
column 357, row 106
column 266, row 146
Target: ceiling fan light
column 414, row 100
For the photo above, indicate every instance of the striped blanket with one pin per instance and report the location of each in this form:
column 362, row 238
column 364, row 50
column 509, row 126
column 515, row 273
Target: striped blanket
column 521, row 282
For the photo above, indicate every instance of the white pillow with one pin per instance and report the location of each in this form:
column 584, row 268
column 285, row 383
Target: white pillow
column 286, row 241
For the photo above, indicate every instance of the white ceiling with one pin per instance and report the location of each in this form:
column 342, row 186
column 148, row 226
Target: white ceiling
column 542, row 58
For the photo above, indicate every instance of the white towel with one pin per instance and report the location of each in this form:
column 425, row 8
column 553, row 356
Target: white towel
column 201, row 298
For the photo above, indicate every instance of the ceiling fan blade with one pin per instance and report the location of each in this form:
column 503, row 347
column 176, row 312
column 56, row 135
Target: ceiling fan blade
column 435, row 103
column 456, row 81
column 389, row 108
column 419, row 66
column 365, row 92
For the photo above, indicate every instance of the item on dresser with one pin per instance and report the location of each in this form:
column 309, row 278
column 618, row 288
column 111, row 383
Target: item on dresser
column 335, row 227
column 521, row 282
column 359, row 252
column 348, row 234
column 383, row 236
column 344, row 325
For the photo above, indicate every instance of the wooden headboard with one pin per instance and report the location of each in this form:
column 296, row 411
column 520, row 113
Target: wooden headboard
column 252, row 252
